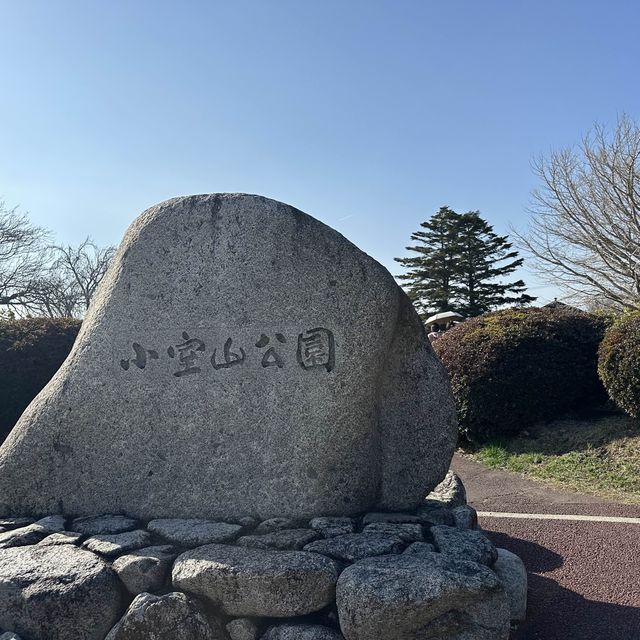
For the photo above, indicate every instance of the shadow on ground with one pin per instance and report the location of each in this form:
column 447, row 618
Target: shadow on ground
column 557, row 613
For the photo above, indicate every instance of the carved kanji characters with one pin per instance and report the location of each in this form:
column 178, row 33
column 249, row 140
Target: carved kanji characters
column 141, row 357
column 316, row 348
column 271, row 358
column 230, row 358
column 187, row 353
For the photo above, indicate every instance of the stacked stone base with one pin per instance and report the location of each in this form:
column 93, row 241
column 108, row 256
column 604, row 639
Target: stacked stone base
column 388, row 576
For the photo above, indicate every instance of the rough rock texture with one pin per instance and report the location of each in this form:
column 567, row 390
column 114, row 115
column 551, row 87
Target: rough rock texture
column 301, row 632
column 115, row 545
column 251, row 582
column 228, row 333
column 419, row 547
column 8, row 635
column 355, row 546
column 31, row 534
column 146, row 569
column 332, row 527
column 288, row 539
column 513, row 575
column 465, row 517
column 243, row 629
column 276, row 524
column 406, row 531
column 168, row 617
column 472, row 545
column 6, row 524
column 450, row 491
column 421, row 596
column 434, row 513
column 52, row 524
column 391, row 518
column 57, row 593
column 99, row 525
column 64, row 537
column 194, row 533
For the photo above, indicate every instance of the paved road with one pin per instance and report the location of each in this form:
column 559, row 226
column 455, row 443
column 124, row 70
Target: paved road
column 584, row 577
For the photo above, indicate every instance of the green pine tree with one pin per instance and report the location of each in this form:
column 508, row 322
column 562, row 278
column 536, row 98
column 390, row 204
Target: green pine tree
column 483, row 259
column 460, row 266
column 429, row 274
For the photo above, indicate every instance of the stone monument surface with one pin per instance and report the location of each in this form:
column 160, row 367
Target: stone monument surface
column 239, row 359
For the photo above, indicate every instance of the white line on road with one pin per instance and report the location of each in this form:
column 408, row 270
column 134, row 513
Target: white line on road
column 557, row 516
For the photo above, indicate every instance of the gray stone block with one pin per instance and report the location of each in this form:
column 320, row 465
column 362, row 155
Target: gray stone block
column 64, row 537
column 419, row 547
column 513, row 575
column 194, row 533
column 276, row 524
column 412, row 597
column 115, row 545
column 228, row 333
column 355, row 546
column 58, row 593
column 450, row 491
column 145, row 569
column 288, row 539
column 470, row 545
column 408, row 532
column 103, row 525
column 465, row 517
column 167, row 617
column 23, row 536
column 301, row 632
column 391, row 518
column 243, row 629
column 257, row 583
column 331, row 527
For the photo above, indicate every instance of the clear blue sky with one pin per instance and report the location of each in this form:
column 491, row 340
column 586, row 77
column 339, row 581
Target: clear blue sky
column 367, row 114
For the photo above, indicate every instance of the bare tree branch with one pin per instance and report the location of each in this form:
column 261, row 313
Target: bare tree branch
column 23, row 257
column 584, row 225
column 37, row 279
column 69, row 283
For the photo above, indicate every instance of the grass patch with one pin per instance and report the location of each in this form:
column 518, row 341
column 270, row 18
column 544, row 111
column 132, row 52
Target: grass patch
column 599, row 455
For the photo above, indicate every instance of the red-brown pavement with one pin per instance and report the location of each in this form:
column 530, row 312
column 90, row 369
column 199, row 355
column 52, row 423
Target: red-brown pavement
column 584, row 576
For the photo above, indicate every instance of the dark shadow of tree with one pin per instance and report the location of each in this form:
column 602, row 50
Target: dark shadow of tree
column 557, row 613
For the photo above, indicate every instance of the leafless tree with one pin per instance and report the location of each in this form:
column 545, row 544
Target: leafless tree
column 53, row 297
column 84, row 266
column 23, row 257
column 584, row 227
column 37, row 278
column 70, row 281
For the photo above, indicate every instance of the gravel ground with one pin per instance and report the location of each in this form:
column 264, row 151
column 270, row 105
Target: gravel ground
column 584, row 577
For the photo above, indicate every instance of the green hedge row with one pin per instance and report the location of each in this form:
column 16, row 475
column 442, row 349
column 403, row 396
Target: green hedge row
column 511, row 369
column 619, row 363
column 31, row 351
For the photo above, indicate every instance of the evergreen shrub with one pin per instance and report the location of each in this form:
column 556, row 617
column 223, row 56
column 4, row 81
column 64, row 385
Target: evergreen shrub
column 31, row 351
column 513, row 368
column 619, row 363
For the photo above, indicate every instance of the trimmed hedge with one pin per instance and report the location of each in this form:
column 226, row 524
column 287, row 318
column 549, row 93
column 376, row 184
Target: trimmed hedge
column 511, row 369
column 31, row 351
column 619, row 363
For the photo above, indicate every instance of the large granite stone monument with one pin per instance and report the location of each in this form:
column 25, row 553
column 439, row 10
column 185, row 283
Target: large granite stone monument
column 240, row 359
column 239, row 447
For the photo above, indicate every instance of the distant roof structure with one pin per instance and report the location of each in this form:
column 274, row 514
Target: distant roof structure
column 556, row 304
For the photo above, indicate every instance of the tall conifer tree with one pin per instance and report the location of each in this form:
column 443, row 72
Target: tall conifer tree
column 460, row 266
column 483, row 259
column 429, row 274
